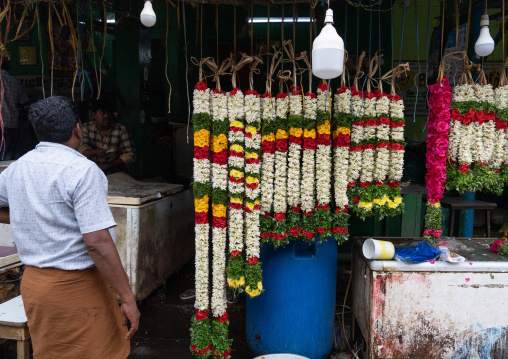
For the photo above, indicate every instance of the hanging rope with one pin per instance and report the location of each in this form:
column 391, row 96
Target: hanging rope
column 305, row 57
column 256, row 61
column 402, row 31
column 40, row 50
column 200, row 64
column 379, row 32
column 167, row 57
column 345, row 27
column 456, row 55
column 343, row 76
column 482, row 79
column 359, row 72
column 469, row 24
column 276, row 60
column 290, row 52
column 397, row 73
column 218, row 71
column 392, row 75
column 251, row 27
column 235, row 67
column 201, row 32
column 217, row 27
column 282, row 23
column 73, row 40
column 52, row 43
column 466, row 76
column 283, row 76
column 503, row 80
column 373, row 66
column 104, row 34
column 234, row 32
column 415, row 80
column 428, row 44
column 502, row 25
column 442, row 32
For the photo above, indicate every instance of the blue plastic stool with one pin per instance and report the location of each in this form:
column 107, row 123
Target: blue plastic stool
column 296, row 313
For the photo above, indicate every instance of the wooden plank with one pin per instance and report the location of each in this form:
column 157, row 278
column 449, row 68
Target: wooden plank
column 14, row 333
column 123, row 189
column 23, row 349
column 12, row 313
column 5, row 261
column 464, row 203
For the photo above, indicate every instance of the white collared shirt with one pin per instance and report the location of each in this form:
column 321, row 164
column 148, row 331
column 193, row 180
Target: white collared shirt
column 55, row 195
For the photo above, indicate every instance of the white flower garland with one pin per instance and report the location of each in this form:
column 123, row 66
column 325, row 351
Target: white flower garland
column 323, row 153
column 499, row 153
column 369, row 134
column 454, row 138
column 465, row 153
column 396, row 134
column 219, row 181
column 383, row 135
column 253, row 142
column 308, row 159
column 294, row 153
column 267, row 170
column 489, row 138
column 280, row 195
column 341, row 154
column 357, row 135
column 201, row 100
column 236, row 162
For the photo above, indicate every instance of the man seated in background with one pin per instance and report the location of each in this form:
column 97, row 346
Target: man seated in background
column 105, row 141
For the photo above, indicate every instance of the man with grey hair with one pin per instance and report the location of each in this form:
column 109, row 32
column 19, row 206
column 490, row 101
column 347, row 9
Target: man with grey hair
column 63, row 229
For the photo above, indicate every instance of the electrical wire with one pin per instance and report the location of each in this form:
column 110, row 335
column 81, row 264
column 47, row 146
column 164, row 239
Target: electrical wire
column 369, row 7
column 379, row 32
column 40, row 47
column 167, row 58
column 345, row 26
column 187, row 69
column 391, row 28
column 415, row 80
column 402, row 32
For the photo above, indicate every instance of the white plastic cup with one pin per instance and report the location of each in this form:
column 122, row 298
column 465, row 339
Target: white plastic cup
column 374, row 249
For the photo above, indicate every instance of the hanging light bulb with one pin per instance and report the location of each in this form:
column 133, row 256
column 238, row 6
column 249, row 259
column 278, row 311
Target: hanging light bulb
column 485, row 43
column 147, row 16
column 328, row 51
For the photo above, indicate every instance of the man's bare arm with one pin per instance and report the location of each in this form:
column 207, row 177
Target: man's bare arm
column 103, row 251
column 4, row 215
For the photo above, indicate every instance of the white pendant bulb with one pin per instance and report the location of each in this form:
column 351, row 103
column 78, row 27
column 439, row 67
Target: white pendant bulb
column 147, row 15
column 485, row 43
column 328, row 51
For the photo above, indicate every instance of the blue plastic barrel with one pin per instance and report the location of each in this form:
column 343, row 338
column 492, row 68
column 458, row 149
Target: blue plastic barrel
column 295, row 314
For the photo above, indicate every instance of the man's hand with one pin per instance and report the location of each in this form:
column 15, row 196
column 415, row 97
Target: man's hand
column 99, row 152
column 104, row 166
column 102, row 249
column 131, row 315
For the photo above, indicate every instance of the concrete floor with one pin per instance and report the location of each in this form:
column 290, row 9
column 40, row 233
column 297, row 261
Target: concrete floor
column 165, row 322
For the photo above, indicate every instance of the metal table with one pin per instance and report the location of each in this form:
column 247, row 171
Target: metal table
column 433, row 309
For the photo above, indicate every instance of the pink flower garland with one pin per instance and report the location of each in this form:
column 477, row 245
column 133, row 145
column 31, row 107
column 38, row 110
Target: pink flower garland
column 437, row 147
column 437, row 139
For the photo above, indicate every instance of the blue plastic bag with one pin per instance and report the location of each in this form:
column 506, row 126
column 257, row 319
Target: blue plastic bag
column 416, row 252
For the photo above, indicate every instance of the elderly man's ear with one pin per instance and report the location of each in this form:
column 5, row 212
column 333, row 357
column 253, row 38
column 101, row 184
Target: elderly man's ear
column 77, row 132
